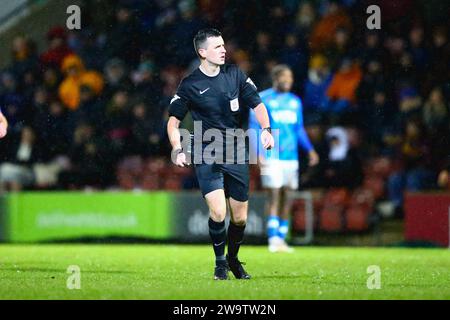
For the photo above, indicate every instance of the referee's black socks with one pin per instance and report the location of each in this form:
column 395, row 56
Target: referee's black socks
column 235, row 237
column 218, row 234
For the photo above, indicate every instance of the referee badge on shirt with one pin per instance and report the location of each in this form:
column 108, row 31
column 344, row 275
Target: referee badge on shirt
column 234, row 104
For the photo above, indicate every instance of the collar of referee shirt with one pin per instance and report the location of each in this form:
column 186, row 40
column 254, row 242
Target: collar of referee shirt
column 205, row 72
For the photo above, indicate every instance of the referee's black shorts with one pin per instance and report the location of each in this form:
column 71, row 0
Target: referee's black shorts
column 233, row 178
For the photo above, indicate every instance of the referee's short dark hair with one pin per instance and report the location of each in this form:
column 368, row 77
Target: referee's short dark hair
column 201, row 37
column 278, row 70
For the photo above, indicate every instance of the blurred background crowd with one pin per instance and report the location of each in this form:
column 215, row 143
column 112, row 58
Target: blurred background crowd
column 89, row 110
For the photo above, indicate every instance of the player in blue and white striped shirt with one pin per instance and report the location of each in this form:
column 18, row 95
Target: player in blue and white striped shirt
column 281, row 174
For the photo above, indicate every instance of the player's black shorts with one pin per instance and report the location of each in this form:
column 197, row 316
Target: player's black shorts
column 233, row 178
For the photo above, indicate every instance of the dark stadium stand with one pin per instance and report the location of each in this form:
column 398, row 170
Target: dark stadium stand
column 92, row 104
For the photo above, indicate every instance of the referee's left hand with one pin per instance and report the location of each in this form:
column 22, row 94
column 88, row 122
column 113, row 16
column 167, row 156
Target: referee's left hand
column 267, row 140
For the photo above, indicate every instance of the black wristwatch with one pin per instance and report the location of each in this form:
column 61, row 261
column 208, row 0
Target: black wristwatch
column 269, row 129
column 177, row 151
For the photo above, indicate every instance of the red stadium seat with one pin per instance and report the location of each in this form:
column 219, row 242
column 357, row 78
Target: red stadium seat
column 129, row 172
column 337, row 197
column 376, row 185
column 362, row 198
column 361, row 207
column 155, row 165
column 172, row 182
column 354, row 137
column 381, row 167
column 330, row 219
column 178, row 171
column 357, row 218
column 126, row 181
column 254, row 171
column 254, row 184
column 172, row 176
column 318, row 205
column 150, row 182
column 132, row 165
column 298, row 215
column 255, row 178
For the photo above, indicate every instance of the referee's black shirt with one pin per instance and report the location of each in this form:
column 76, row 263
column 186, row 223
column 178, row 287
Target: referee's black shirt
column 220, row 102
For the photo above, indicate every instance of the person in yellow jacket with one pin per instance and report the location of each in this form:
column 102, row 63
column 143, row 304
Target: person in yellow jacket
column 76, row 76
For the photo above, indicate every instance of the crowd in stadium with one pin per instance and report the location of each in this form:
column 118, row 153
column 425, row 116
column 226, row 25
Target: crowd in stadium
column 91, row 107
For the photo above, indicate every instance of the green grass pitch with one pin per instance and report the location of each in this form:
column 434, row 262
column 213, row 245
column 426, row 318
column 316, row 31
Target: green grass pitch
column 185, row 272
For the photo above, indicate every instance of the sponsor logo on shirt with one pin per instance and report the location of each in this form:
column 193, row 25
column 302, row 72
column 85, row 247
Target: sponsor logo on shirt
column 284, row 116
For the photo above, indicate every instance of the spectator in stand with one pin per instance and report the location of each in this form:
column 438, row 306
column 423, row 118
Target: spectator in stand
column 16, row 172
column 313, row 177
column 147, row 132
column 439, row 57
column 89, row 47
column 124, row 39
column 405, row 71
column 372, row 80
column 76, row 76
column 264, row 78
column 304, row 20
column 395, row 48
column 24, row 56
column 436, row 113
column 39, row 109
column 377, row 119
column 323, row 33
column 275, row 22
column 242, row 59
column 147, row 85
column 28, row 84
column 54, row 130
column 415, row 173
column 342, row 91
column 118, row 124
column 319, row 79
column 344, row 168
column 444, row 176
column 292, row 55
column 419, row 52
column 339, row 49
column 402, row 65
column 91, row 109
column 51, row 79
column 184, row 30
column 437, row 122
column 90, row 166
column 371, row 48
column 169, row 77
column 12, row 102
column 262, row 49
column 116, row 77
column 410, row 106
column 57, row 48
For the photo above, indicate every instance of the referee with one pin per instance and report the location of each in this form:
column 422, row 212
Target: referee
column 216, row 94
